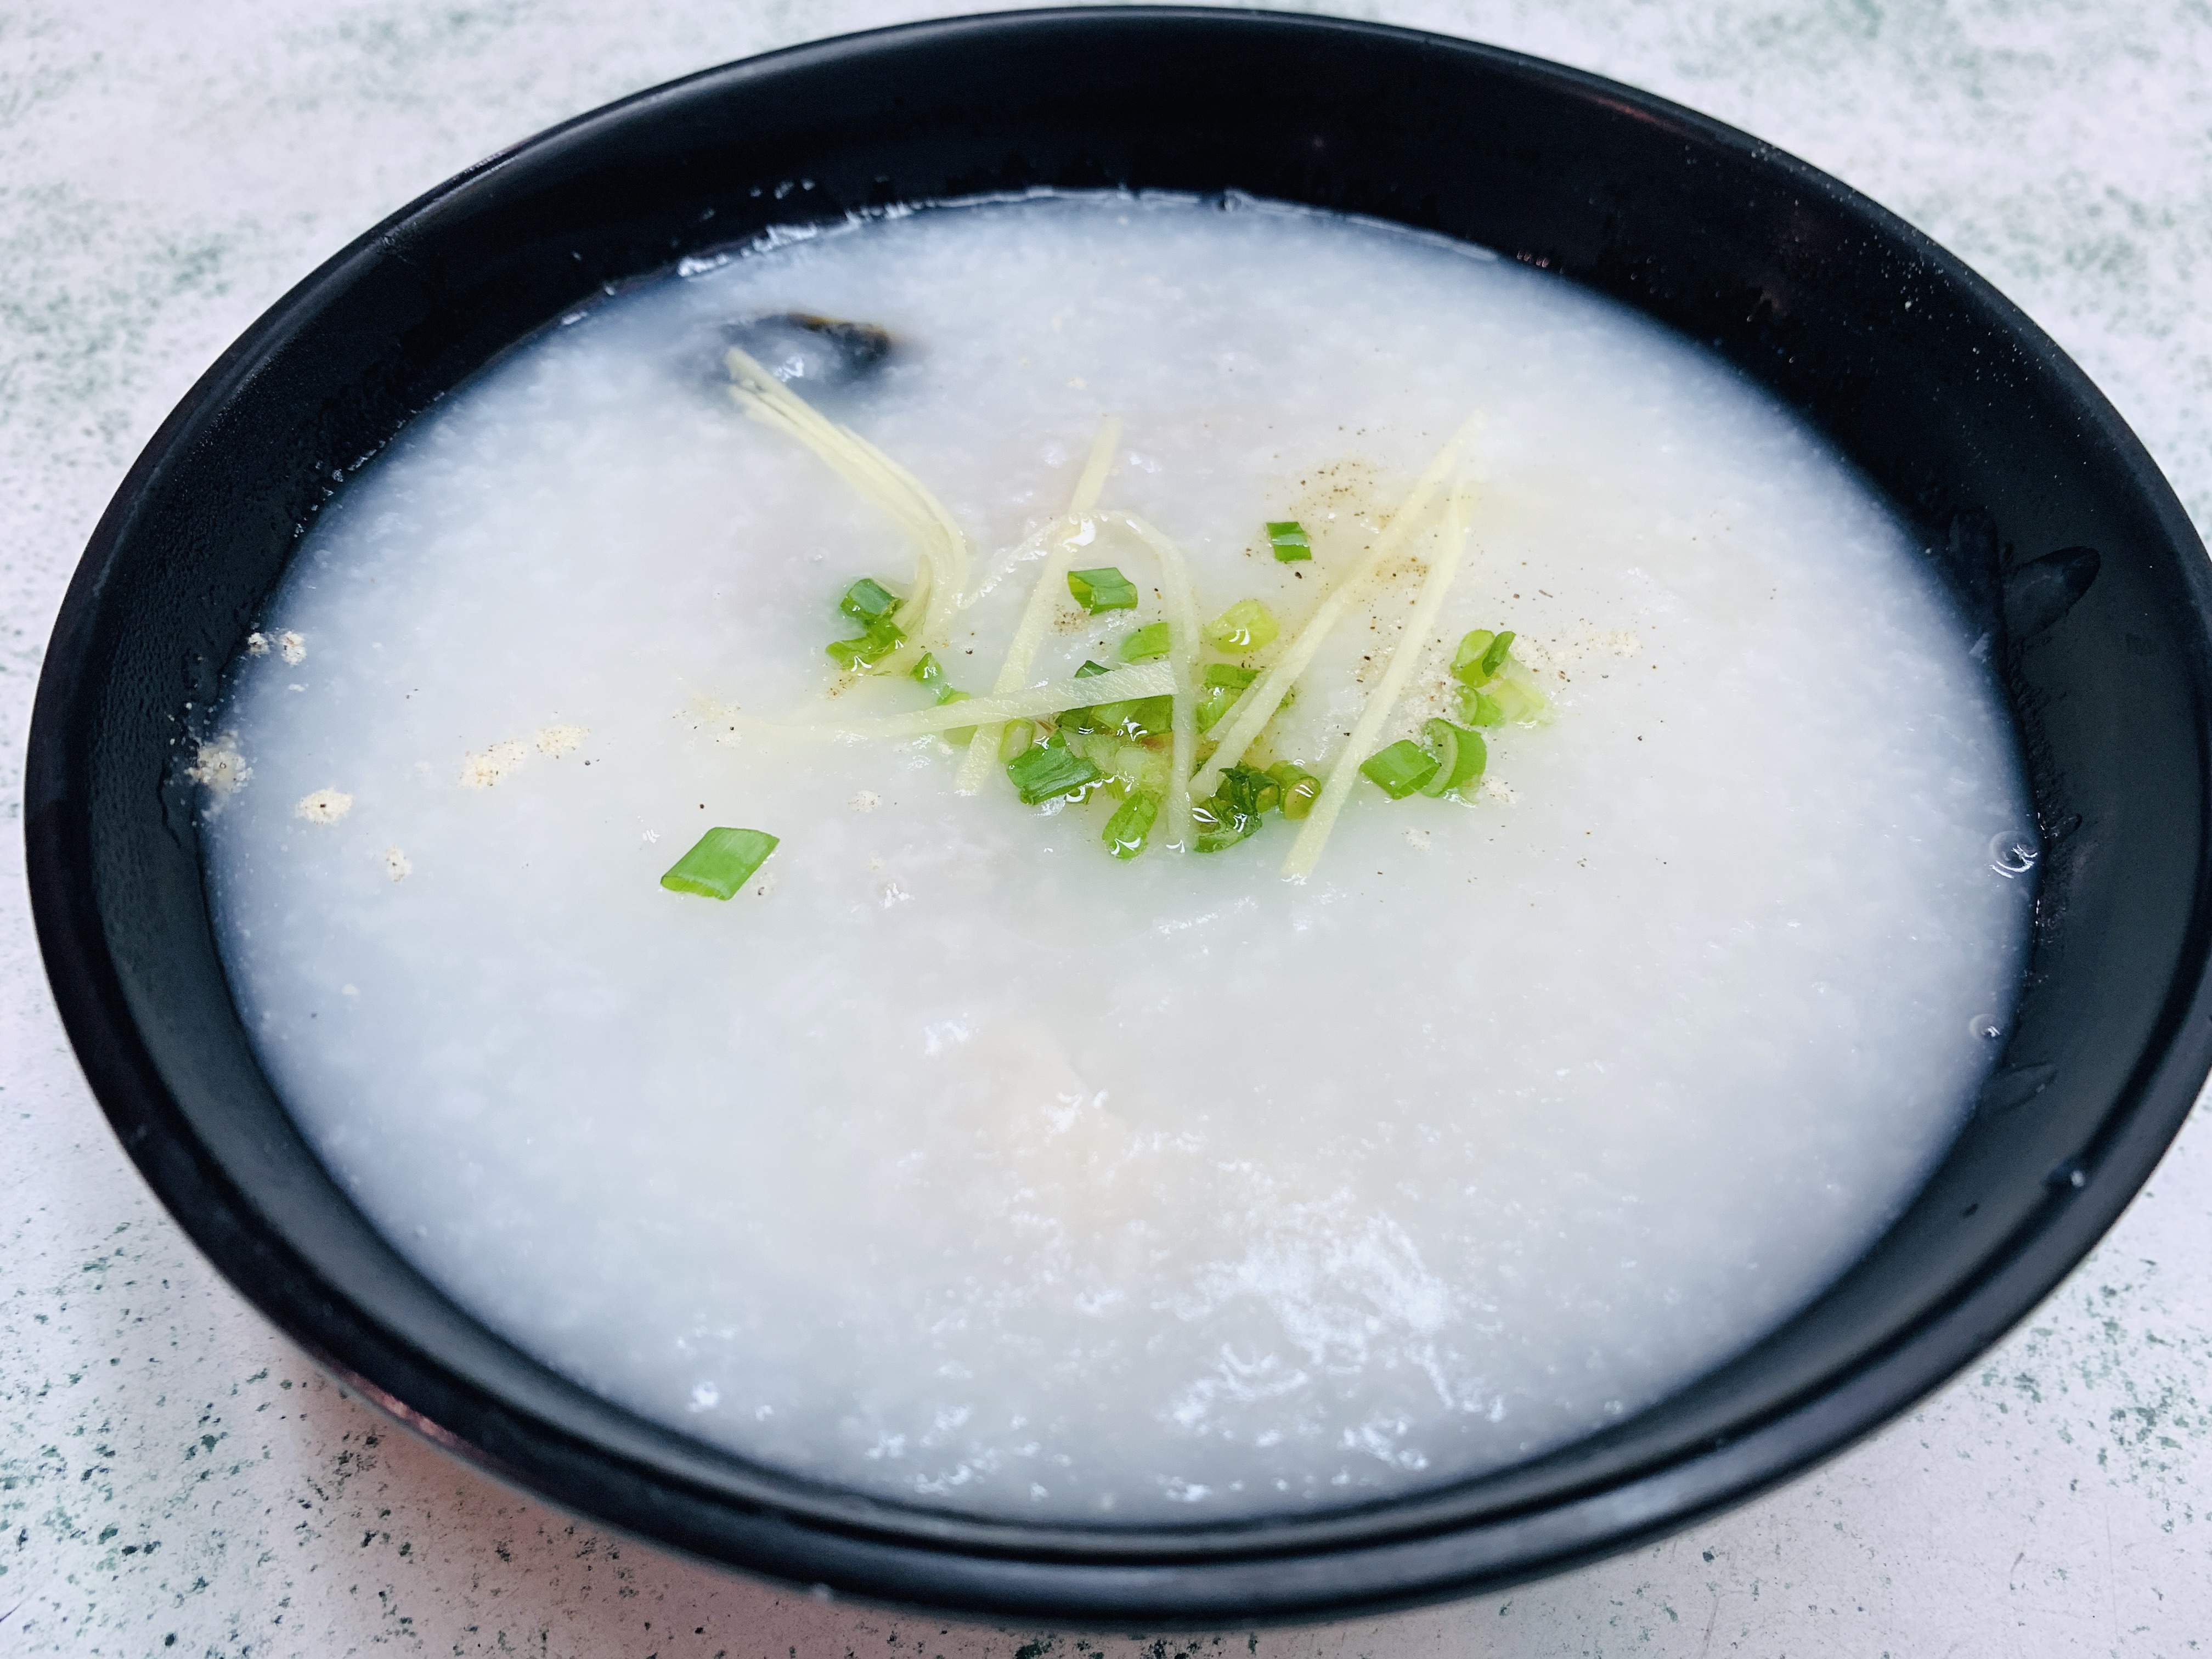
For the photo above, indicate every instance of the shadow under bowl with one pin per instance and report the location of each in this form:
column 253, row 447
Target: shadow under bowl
column 2051, row 523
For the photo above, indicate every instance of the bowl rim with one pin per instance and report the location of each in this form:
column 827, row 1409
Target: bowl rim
column 1400, row 1552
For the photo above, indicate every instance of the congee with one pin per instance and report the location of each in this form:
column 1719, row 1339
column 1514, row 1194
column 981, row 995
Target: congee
column 1107, row 857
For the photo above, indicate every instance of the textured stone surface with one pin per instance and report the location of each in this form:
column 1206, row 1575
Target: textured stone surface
column 175, row 1478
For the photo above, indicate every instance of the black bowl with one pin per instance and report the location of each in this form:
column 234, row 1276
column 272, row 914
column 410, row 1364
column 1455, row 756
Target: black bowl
column 2044, row 512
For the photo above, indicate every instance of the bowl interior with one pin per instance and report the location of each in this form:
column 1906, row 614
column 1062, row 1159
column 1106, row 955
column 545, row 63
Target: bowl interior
column 2044, row 514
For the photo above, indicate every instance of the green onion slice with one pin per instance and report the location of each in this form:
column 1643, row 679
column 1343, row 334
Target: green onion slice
column 868, row 600
column 1102, row 589
column 1103, row 717
column 1048, row 771
column 1132, row 822
column 1494, row 659
column 1467, row 662
column 1519, row 703
column 1145, row 644
column 1460, row 755
column 882, row 639
column 1150, row 717
column 1228, row 674
column 1139, row 717
column 1015, row 737
column 1213, row 705
column 723, row 861
column 1480, row 708
column 1288, row 538
column 1248, row 789
column 1401, row 768
column 1299, row 788
column 1219, row 826
column 1246, row 625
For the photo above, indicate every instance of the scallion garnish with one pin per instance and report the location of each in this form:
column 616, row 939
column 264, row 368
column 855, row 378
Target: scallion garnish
column 1229, row 675
column 1218, row 825
column 1145, row 644
column 1213, row 705
column 723, row 861
column 1102, row 589
column 1132, row 822
column 1517, row 702
column 1481, row 655
column 1288, row 538
column 1149, row 717
column 1015, row 739
column 1460, row 755
column 868, row 600
column 1102, row 718
column 1480, row 708
column 882, row 639
column 1140, row 717
column 1248, row 789
column 1467, row 662
column 1246, row 625
column 1300, row 787
column 1400, row 768
column 1050, row 770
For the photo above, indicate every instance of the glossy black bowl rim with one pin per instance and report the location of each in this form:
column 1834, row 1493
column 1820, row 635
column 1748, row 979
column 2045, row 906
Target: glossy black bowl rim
column 1395, row 1554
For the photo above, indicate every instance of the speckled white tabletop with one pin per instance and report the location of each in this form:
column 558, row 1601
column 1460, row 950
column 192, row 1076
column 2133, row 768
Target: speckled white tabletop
column 174, row 1477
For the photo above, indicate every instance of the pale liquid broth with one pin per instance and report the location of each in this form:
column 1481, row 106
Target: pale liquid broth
column 955, row 1160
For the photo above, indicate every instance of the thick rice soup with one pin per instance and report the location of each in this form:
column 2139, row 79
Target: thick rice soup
column 957, row 1161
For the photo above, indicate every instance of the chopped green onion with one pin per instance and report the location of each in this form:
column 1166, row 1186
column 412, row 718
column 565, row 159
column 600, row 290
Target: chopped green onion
column 1220, row 825
column 723, row 861
column 1146, row 644
column 1288, row 538
column 1519, row 703
column 882, row 639
column 1129, row 766
column 1224, row 684
column 1144, row 766
column 1048, row 771
column 868, row 600
column 1401, row 768
column 1460, row 755
column 1015, row 737
column 1150, row 717
column 1248, row 789
column 1480, row 708
column 1102, row 589
column 1467, row 662
column 1102, row 718
column 1246, row 625
column 1300, row 788
column 1132, row 822
column 1481, row 653
column 1140, row 717
column 931, row 673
